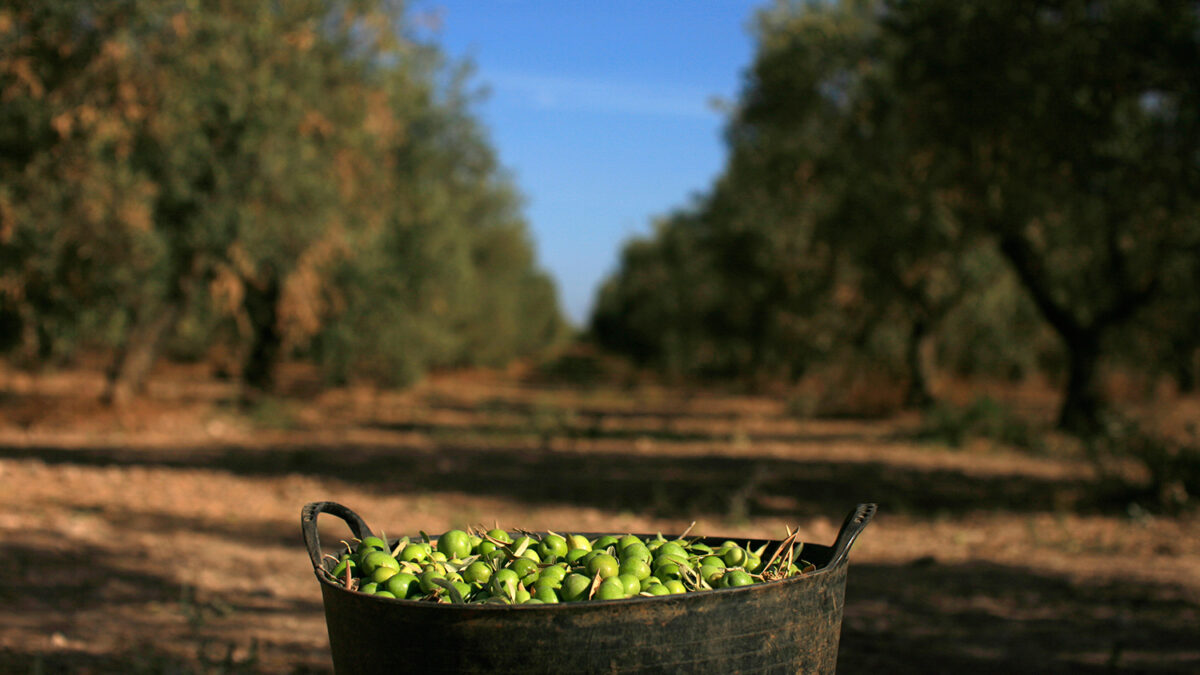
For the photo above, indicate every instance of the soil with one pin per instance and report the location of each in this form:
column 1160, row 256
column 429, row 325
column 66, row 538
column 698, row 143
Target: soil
column 164, row 538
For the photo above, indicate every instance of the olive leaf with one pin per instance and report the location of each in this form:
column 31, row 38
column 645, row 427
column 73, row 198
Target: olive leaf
column 400, row 544
column 455, row 595
column 521, row 548
column 595, row 585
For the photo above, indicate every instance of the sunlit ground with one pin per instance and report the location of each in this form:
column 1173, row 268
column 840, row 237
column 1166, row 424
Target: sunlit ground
column 166, row 538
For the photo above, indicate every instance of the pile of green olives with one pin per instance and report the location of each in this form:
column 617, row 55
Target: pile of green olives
column 496, row 566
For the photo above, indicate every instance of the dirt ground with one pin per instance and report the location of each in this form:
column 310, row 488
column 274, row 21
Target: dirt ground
column 165, row 539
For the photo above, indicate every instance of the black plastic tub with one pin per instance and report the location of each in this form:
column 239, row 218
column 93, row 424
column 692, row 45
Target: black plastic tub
column 786, row 626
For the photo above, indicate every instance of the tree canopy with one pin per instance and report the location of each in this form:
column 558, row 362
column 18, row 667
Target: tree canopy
column 905, row 171
column 301, row 179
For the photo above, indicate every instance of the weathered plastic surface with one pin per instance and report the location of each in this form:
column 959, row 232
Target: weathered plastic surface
column 786, row 626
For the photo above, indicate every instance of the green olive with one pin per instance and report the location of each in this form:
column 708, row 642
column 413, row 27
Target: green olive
column 371, row 543
column 638, row 568
column 427, row 576
column 526, row 569
column 575, row 587
column 604, row 565
column 546, row 594
column 377, row 559
column 578, row 541
column 525, row 541
column 464, row 590
column 636, row 551
column 553, row 574
column 668, row 571
column 735, row 578
column 414, row 553
column 504, row 582
column 477, row 572
column 382, row 574
column 733, row 556
column 627, row 541
column 500, row 536
column 631, row 583
column 462, row 566
column 552, row 546
column 711, row 574
column 610, row 589
column 339, row 571
column 401, row 584
column 604, row 542
column 671, row 548
column 497, row 555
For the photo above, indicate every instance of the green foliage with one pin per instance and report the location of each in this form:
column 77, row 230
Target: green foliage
column 985, row 417
column 997, row 332
column 270, row 412
column 583, row 366
column 1162, row 339
column 821, row 241
column 1014, row 182
column 1172, row 463
column 241, row 172
column 1068, row 132
column 664, row 308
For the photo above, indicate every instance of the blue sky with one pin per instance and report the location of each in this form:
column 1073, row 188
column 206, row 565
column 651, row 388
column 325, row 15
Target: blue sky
column 602, row 111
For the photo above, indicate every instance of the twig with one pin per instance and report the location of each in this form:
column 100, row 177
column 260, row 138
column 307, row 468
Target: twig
column 689, row 529
column 786, row 543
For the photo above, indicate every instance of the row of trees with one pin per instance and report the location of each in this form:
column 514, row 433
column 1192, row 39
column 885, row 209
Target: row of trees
column 300, row 178
column 1020, row 180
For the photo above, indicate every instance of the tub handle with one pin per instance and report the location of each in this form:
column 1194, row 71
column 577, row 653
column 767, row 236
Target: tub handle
column 853, row 526
column 308, row 525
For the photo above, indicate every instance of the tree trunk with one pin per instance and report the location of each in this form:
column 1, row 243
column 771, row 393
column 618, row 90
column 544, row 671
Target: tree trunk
column 1185, row 366
column 1082, row 402
column 151, row 325
column 1185, row 378
column 918, row 394
column 32, row 349
column 138, row 353
column 1080, row 413
column 261, row 305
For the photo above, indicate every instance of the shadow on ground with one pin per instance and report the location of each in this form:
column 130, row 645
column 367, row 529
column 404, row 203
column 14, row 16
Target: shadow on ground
column 982, row 618
column 593, row 430
column 670, row 487
column 664, row 486
column 79, row 608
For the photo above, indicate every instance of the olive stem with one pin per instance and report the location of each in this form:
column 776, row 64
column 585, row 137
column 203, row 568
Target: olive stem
column 786, row 543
